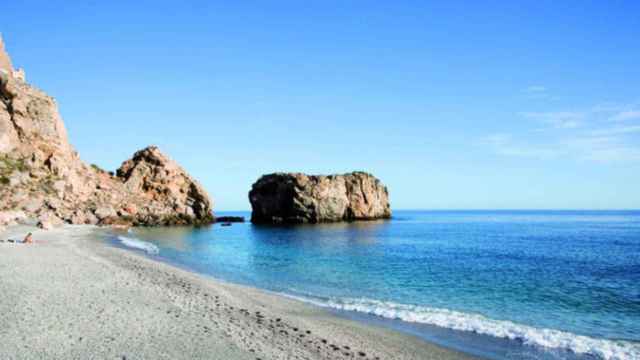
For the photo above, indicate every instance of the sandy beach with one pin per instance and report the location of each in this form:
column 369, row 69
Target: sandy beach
column 71, row 297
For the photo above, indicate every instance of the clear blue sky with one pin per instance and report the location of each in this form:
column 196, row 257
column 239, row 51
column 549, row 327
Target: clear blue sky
column 490, row 104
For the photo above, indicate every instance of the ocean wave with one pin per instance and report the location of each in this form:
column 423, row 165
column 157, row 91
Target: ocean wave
column 546, row 338
column 134, row 243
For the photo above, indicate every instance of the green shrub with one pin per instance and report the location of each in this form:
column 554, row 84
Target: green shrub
column 98, row 168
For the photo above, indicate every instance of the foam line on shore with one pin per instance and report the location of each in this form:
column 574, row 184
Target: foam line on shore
column 134, row 243
column 528, row 335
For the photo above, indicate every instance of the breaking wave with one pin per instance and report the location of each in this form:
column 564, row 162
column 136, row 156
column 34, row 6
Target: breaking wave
column 134, row 243
column 528, row 335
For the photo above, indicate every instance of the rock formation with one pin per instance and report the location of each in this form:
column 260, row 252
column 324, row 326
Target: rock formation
column 5, row 60
column 42, row 176
column 294, row 198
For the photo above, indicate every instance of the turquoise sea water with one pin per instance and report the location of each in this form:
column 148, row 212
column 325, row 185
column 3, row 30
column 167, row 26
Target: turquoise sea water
column 499, row 284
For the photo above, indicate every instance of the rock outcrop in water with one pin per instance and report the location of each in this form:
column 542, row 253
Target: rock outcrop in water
column 43, row 178
column 295, row 198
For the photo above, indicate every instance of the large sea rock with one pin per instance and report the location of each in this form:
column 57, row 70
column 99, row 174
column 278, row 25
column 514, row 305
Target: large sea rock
column 295, row 198
column 43, row 178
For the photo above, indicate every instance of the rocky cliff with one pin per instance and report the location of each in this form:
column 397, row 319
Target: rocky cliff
column 42, row 176
column 5, row 60
column 294, row 198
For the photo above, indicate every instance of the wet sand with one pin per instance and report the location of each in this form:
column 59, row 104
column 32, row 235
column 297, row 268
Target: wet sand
column 71, row 297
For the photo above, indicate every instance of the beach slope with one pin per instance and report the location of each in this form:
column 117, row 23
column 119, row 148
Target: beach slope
column 70, row 296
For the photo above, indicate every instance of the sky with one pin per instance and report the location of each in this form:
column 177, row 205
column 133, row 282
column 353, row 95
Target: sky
column 453, row 105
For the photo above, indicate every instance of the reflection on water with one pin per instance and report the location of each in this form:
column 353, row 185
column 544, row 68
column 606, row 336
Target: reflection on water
column 323, row 235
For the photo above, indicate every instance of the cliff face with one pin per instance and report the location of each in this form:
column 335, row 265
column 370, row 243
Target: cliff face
column 5, row 60
column 42, row 176
column 294, row 198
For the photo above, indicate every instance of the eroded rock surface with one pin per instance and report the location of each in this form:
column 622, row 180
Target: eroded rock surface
column 170, row 191
column 295, row 198
column 42, row 176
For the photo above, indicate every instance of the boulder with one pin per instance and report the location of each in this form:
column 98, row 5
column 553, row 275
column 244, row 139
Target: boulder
column 12, row 217
column 105, row 212
column 83, row 217
column 48, row 221
column 295, row 198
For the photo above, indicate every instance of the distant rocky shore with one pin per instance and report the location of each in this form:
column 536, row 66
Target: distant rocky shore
column 295, row 198
column 43, row 178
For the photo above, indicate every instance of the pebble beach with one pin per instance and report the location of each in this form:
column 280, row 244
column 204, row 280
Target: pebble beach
column 71, row 296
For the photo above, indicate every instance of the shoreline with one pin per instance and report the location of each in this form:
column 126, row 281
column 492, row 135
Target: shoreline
column 73, row 296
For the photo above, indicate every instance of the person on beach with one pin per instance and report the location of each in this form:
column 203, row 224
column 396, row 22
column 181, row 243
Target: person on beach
column 28, row 239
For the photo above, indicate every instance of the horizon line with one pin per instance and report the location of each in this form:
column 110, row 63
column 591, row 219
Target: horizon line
column 487, row 209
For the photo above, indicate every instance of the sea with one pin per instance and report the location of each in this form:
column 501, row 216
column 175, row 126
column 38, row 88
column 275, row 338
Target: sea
column 495, row 284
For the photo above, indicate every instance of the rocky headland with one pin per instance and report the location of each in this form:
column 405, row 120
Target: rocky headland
column 295, row 198
column 43, row 178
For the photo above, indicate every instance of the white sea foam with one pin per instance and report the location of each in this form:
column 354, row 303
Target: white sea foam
column 139, row 244
column 548, row 338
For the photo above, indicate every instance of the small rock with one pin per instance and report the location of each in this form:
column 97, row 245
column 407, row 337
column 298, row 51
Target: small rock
column 49, row 221
column 104, row 212
column 229, row 219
